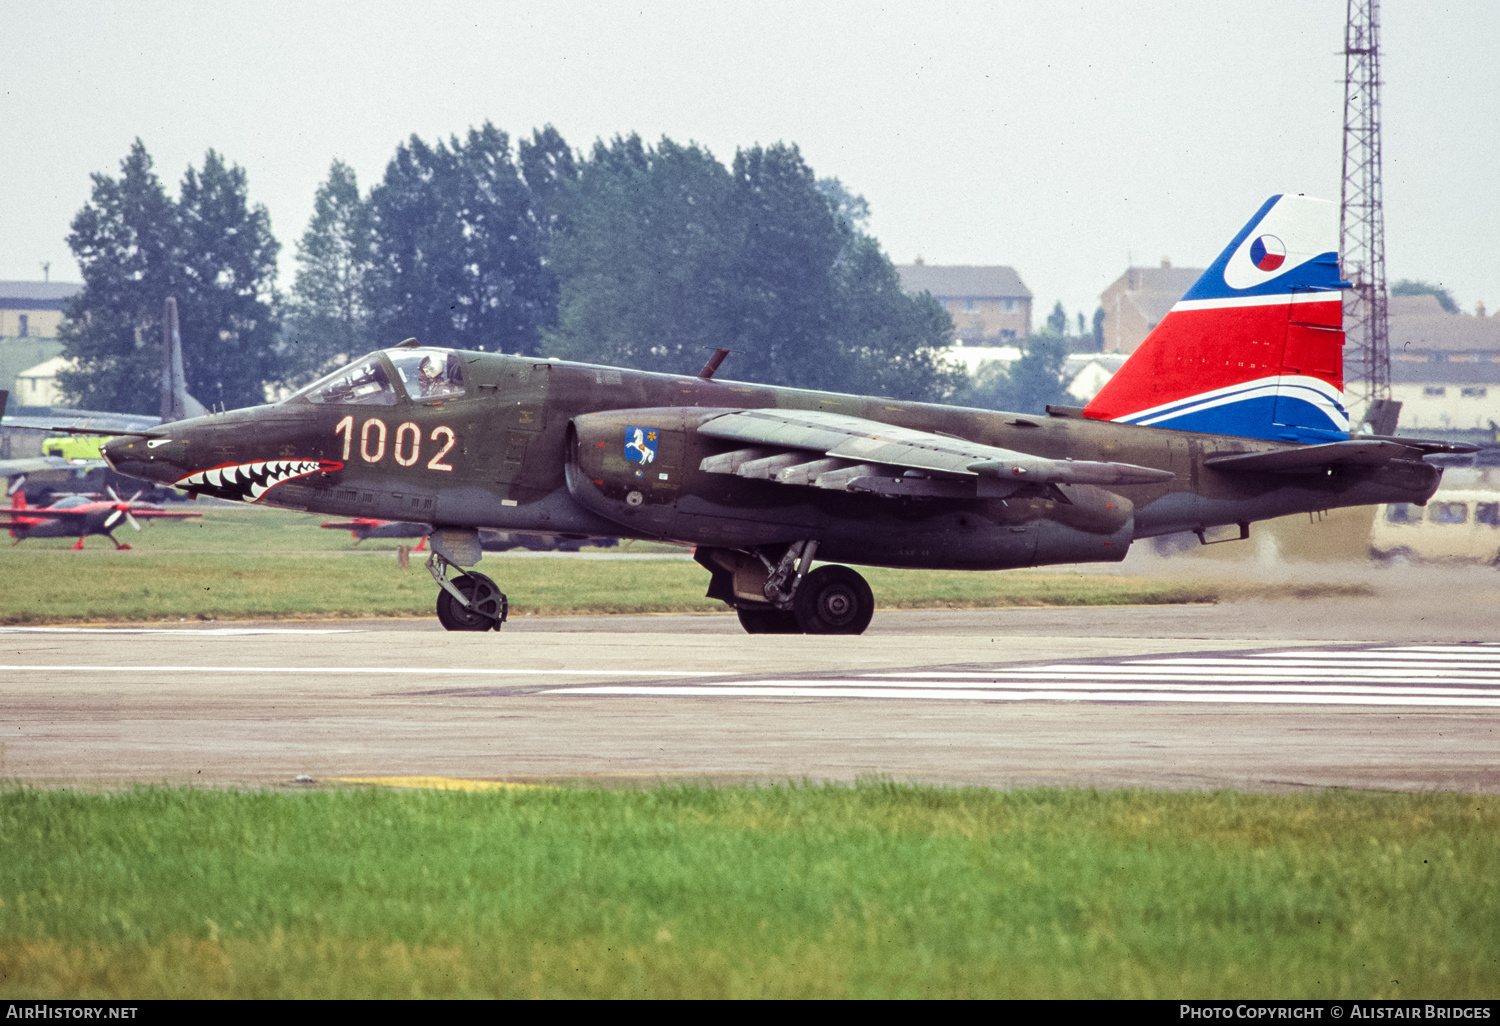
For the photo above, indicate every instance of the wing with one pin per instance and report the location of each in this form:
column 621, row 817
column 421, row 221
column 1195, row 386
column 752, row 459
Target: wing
column 158, row 514
column 852, row 454
column 38, row 516
column 83, row 422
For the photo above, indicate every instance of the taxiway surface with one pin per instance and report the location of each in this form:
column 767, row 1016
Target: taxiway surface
column 1384, row 692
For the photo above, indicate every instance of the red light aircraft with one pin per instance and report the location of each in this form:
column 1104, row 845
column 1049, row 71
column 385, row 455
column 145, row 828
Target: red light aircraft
column 81, row 515
column 366, row 527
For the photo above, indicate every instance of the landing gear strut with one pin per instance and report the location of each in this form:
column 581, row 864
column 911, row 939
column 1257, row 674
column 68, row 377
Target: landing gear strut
column 779, row 596
column 468, row 602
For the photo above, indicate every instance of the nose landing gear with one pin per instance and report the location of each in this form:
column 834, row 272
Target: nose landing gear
column 468, row 602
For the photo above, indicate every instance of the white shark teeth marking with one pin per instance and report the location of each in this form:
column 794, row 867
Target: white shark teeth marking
column 231, row 475
column 256, row 491
column 212, row 477
column 258, row 468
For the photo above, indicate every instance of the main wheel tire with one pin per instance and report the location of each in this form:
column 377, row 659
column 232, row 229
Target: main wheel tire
column 769, row 620
column 834, row 600
column 487, row 605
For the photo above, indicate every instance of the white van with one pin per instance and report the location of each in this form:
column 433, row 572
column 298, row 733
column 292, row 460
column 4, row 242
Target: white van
column 1460, row 523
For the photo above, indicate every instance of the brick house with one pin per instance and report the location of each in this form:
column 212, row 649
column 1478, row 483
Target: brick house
column 989, row 305
column 1139, row 299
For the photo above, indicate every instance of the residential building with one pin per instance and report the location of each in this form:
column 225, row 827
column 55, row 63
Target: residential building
column 989, row 305
column 1445, row 368
column 37, row 386
column 33, row 309
column 1139, row 299
column 30, row 312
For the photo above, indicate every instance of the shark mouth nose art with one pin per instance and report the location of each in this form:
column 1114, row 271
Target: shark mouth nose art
column 247, row 482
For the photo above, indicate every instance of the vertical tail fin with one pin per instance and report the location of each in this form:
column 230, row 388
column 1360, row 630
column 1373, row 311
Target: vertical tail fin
column 1255, row 347
column 176, row 404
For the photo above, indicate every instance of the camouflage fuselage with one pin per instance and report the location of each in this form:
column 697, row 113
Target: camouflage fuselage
column 508, row 454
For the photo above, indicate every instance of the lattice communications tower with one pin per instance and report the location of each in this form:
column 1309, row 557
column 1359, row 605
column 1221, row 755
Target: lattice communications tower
column 1362, row 226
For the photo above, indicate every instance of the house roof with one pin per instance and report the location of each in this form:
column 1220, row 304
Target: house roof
column 1174, row 281
column 36, row 295
column 963, row 281
column 1419, row 322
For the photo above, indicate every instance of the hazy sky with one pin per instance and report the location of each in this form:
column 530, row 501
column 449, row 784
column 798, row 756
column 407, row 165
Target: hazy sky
column 1062, row 139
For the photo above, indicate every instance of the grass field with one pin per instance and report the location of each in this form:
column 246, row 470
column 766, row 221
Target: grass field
column 869, row 891
column 246, row 563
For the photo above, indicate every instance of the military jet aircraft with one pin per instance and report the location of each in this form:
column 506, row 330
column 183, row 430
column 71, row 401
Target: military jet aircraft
column 81, row 515
column 1229, row 413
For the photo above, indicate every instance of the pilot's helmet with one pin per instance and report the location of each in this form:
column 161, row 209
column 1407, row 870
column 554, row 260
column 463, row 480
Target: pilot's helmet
column 432, row 369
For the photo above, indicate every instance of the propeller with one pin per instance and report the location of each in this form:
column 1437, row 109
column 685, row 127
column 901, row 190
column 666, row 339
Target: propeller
column 122, row 508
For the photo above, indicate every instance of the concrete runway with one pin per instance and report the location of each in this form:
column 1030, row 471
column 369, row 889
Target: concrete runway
column 1371, row 692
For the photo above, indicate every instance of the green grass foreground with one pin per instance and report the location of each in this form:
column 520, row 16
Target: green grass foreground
column 249, row 563
column 868, row 891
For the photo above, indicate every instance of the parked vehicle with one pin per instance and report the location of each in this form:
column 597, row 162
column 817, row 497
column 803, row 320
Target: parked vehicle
column 1460, row 523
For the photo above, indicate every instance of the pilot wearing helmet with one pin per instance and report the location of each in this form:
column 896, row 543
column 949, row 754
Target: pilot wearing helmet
column 431, row 380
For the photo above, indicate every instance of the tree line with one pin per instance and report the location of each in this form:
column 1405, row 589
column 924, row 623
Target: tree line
column 632, row 254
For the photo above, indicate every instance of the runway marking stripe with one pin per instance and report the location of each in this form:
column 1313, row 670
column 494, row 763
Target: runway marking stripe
column 186, row 632
column 1098, row 685
column 1218, row 698
column 1126, row 673
column 1452, row 677
column 426, row 671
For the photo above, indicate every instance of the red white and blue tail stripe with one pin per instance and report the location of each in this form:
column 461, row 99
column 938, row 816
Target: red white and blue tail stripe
column 1255, row 348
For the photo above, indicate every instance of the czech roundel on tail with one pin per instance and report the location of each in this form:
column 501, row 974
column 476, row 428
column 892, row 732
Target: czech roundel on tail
column 1255, row 347
column 1230, row 412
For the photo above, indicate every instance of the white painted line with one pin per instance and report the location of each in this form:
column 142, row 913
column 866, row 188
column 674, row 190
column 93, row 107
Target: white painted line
column 1063, row 673
column 732, row 691
column 1094, row 685
column 373, row 670
column 186, row 632
column 1486, row 657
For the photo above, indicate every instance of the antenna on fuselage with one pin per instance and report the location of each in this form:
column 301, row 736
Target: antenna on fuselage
column 712, row 365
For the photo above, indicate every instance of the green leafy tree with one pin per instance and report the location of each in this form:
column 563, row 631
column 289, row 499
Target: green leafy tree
column 329, row 320
column 126, row 240
column 1036, row 379
column 667, row 254
column 458, row 248
column 211, row 248
column 228, row 306
column 1410, row 287
column 1057, row 320
column 645, row 264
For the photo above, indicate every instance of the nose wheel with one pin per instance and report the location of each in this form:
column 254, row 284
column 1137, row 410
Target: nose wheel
column 486, row 610
column 469, row 601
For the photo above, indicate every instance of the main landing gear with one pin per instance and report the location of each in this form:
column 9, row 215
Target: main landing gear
column 468, row 602
column 782, row 597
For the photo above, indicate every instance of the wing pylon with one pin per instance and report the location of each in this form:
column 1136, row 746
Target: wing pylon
column 838, row 452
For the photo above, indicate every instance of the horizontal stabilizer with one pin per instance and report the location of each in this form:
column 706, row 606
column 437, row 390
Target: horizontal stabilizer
column 1310, row 459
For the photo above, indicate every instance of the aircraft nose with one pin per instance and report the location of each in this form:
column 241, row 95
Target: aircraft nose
column 151, row 459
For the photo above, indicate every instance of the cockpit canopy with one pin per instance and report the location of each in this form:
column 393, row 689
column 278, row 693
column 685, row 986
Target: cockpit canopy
column 423, row 374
